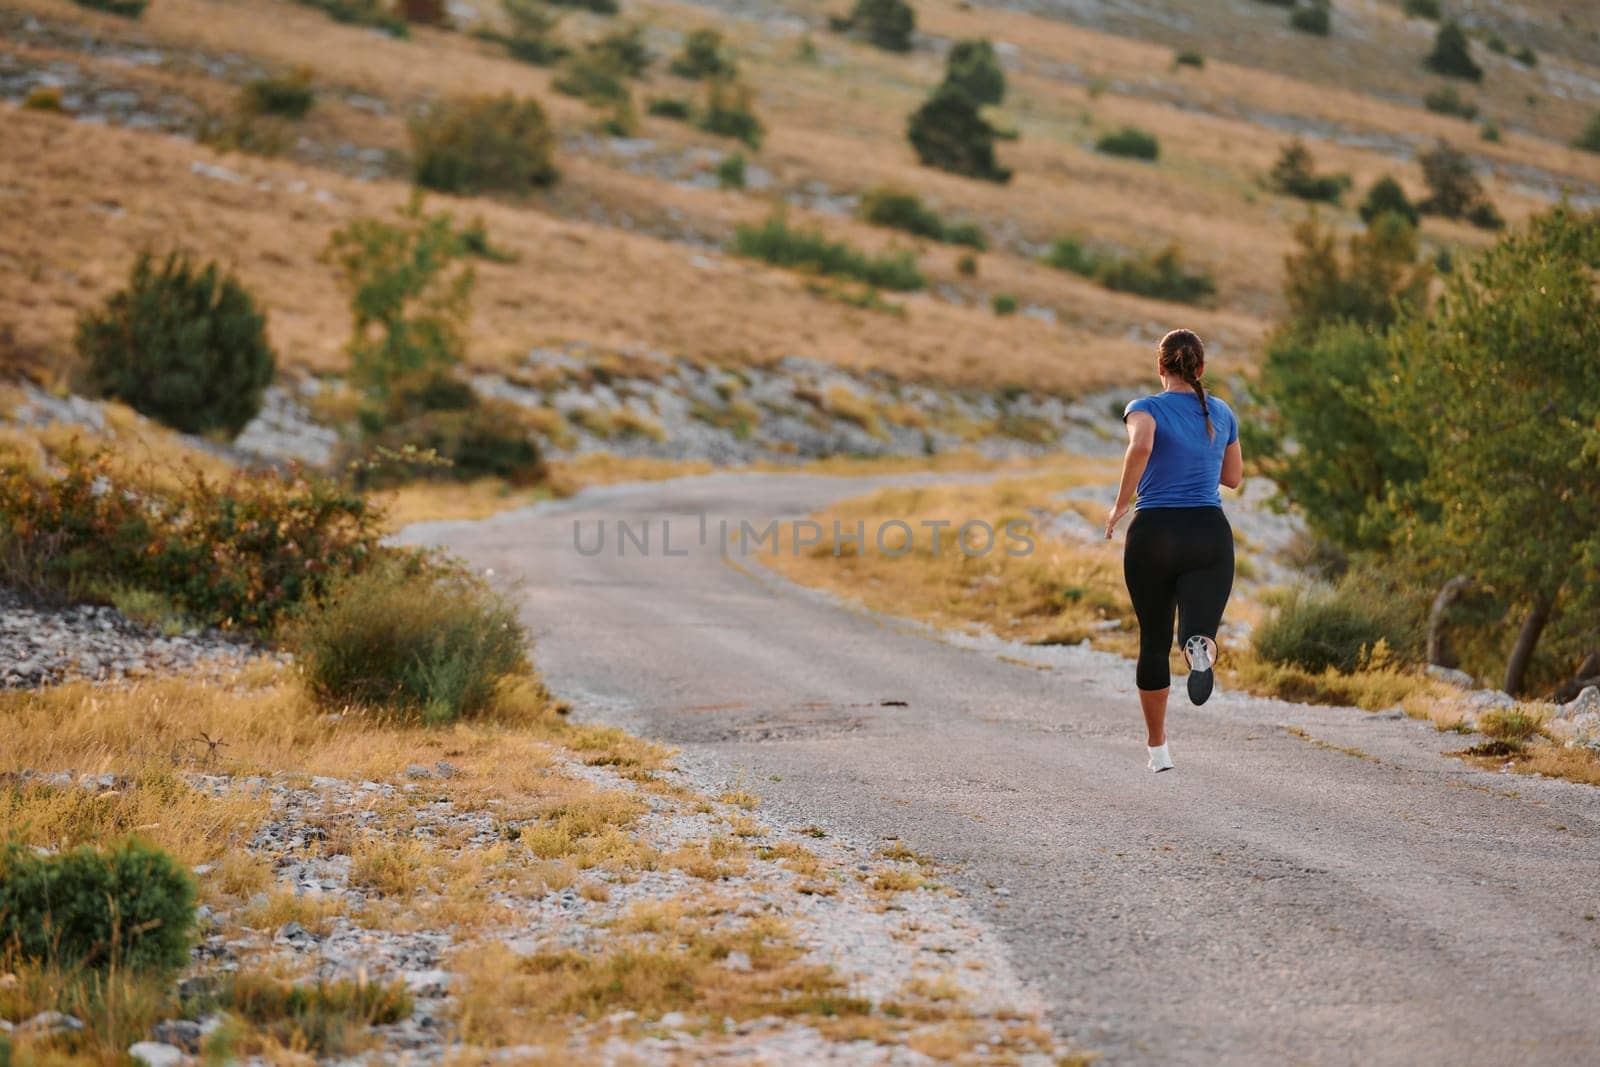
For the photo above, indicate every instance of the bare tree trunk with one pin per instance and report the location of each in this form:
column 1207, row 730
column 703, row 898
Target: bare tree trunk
column 1587, row 674
column 1527, row 639
column 1439, row 651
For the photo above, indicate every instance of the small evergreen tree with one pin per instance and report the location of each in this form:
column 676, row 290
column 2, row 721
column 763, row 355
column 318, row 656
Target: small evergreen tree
column 888, row 24
column 1589, row 139
column 1452, row 53
column 180, row 343
column 704, row 56
column 949, row 133
column 974, row 67
column 1387, row 196
column 1294, row 174
column 482, row 143
column 1454, row 190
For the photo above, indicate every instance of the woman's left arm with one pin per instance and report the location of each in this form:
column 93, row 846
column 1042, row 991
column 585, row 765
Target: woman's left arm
column 1141, row 439
column 1232, row 466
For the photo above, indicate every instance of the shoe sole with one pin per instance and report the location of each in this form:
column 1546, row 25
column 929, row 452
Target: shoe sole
column 1201, row 681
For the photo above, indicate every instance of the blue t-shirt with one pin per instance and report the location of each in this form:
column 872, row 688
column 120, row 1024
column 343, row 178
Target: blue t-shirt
column 1185, row 464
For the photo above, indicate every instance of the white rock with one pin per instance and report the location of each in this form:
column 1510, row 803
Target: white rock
column 1588, row 700
column 1451, row 676
column 737, row 961
column 672, row 1020
column 429, row 983
column 1489, row 700
column 156, row 1054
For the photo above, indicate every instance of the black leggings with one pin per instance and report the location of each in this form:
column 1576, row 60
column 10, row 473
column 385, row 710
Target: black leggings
column 1176, row 558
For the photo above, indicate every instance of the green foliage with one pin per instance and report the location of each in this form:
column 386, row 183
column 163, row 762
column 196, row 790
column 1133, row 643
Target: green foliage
column 1387, row 196
column 475, row 241
column 288, row 96
column 888, row 24
column 1129, row 142
column 624, row 49
column 43, row 98
column 533, row 33
column 1316, row 632
column 899, row 210
column 948, row 132
column 1490, row 131
column 1452, row 53
column 1447, row 100
column 130, row 906
column 128, row 9
column 482, row 144
column 670, row 107
column 1314, row 19
column 967, row 265
column 1589, row 139
column 409, row 298
column 182, row 344
column 973, row 67
column 237, row 554
column 593, row 77
column 429, row 642
column 1294, row 174
column 1422, row 9
column 1379, row 278
column 1454, row 190
column 373, row 13
column 1189, row 57
column 327, row 1018
column 810, row 250
column 598, row 7
column 704, row 56
column 431, row 424
column 1003, row 304
column 730, row 172
column 1163, row 275
column 727, row 112
column 1525, row 55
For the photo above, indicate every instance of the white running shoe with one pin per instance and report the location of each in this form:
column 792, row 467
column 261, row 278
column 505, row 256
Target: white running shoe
column 1197, row 650
column 1160, row 759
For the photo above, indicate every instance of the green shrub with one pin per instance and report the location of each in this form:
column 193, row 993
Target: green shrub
column 428, row 642
column 130, row 906
column 1294, row 174
column 1514, row 726
column 727, row 112
column 670, row 107
column 1387, row 196
column 288, row 96
column 704, row 56
column 1315, row 632
column 475, row 241
column 898, row 210
column 776, row 242
column 373, row 13
column 592, row 77
column 1589, row 139
column 1163, row 275
column 1422, row 9
column 182, row 344
column 948, row 132
column 409, row 302
column 1447, row 100
column 1526, row 56
column 1452, row 53
column 533, row 33
column 482, row 144
column 730, row 172
column 43, row 98
column 238, row 553
column 624, row 49
column 1003, row 304
column 967, row 265
column 888, row 24
column 330, row 1018
column 598, row 7
column 433, row 425
column 128, row 9
column 1315, row 20
column 973, row 67
column 1129, row 142
column 1189, row 57
column 1453, row 188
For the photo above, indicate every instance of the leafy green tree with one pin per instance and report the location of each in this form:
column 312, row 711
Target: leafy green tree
column 1378, row 278
column 1499, row 390
column 1387, row 196
column 410, row 298
column 973, row 66
column 704, row 56
column 1295, row 174
column 481, row 143
column 1452, row 53
column 888, row 24
column 949, row 133
column 532, row 37
column 1589, row 139
column 1454, row 190
column 181, row 343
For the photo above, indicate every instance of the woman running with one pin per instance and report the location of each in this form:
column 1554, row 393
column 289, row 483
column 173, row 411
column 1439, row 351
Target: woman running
column 1179, row 555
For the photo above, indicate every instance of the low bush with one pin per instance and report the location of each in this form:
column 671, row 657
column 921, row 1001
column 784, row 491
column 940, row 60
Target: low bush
column 532, row 37
column 1315, row 19
column 593, row 77
column 1422, row 9
column 1452, row 53
column 1525, row 55
column 1454, row 189
column 704, row 56
column 421, row 641
column 1387, row 196
column 1163, row 275
column 373, row 13
column 482, row 144
column 1129, row 142
column 1315, row 632
column 43, row 98
column 598, row 7
column 1189, row 57
column 1588, row 139
column 776, row 242
column 328, row 1018
column 181, row 343
column 1003, row 304
column 130, row 906
column 670, row 107
column 287, row 96
column 1447, row 100
column 238, row 554
column 624, row 49
column 888, row 24
column 128, row 9
column 730, row 172
column 727, row 113
column 458, row 435
column 948, row 132
column 899, row 210
column 973, row 67
column 1514, row 726
column 1294, row 174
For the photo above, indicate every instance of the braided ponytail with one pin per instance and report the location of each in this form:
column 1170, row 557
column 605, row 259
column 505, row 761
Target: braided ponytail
column 1183, row 355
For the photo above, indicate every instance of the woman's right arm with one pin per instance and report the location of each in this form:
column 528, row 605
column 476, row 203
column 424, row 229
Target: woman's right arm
column 1141, row 439
column 1232, row 466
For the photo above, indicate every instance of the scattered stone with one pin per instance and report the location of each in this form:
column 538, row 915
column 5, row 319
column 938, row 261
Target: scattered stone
column 156, row 1054
column 429, row 983
column 50, row 1024
column 737, row 961
column 185, row 1034
column 1489, row 700
column 417, row 770
column 445, row 769
column 1450, row 676
column 1587, row 700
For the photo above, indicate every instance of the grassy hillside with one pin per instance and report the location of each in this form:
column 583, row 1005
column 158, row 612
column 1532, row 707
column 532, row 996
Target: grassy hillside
column 624, row 251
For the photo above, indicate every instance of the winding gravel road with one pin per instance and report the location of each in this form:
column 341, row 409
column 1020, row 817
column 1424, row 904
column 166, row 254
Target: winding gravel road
column 1312, row 885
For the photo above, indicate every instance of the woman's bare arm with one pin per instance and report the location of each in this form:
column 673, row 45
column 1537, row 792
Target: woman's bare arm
column 1141, row 439
column 1232, row 466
